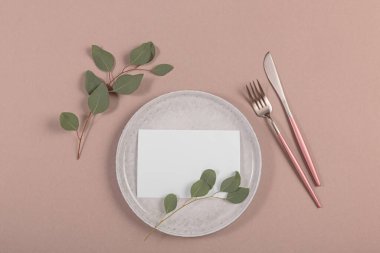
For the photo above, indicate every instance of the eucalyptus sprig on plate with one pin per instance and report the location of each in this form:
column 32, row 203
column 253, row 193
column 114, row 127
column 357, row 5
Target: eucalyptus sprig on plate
column 200, row 191
column 123, row 83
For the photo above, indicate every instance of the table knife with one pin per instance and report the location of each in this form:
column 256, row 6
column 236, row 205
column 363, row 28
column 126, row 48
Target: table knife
column 274, row 79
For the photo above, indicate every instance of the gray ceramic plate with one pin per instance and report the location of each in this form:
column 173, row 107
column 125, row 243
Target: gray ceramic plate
column 187, row 110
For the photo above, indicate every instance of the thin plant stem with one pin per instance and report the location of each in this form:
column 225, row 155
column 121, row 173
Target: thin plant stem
column 188, row 202
column 125, row 70
column 125, row 67
column 80, row 138
column 217, row 197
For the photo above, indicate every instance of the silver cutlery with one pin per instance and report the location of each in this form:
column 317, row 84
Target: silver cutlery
column 263, row 108
column 274, row 79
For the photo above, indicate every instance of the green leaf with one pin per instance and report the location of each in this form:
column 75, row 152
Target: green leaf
column 92, row 81
column 142, row 54
column 126, row 84
column 209, row 176
column 103, row 60
column 238, row 196
column 162, row 69
column 69, row 121
column 170, row 202
column 199, row 188
column 98, row 101
column 231, row 184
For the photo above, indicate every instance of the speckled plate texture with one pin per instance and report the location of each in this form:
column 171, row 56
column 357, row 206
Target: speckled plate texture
column 194, row 110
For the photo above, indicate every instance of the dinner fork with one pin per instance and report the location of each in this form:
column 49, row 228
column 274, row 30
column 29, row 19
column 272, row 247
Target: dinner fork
column 263, row 108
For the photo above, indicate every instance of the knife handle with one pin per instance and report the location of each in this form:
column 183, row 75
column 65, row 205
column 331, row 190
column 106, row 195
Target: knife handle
column 304, row 150
column 295, row 163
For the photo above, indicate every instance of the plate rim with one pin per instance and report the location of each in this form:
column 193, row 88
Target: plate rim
column 118, row 168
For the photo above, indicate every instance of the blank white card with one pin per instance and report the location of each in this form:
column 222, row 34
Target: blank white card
column 170, row 161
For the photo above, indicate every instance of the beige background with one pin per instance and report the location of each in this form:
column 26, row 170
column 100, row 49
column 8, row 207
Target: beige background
column 327, row 53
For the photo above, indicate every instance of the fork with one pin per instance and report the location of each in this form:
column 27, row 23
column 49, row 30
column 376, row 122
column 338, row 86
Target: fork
column 263, row 108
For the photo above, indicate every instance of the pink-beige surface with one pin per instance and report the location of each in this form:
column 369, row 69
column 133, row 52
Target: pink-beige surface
column 327, row 53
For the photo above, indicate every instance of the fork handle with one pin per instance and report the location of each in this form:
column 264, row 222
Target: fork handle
column 304, row 150
column 296, row 165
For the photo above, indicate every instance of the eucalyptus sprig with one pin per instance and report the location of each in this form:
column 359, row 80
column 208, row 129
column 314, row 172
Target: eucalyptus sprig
column 123, row 83
column 199, row 191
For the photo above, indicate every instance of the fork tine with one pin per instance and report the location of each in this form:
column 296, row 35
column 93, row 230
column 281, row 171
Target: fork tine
column 261, row 88
column 256, row 95
column 257, row 91
column 253, row 90
column 253, row 96
column 249, row 94
column 260, row 96
column 258, row 104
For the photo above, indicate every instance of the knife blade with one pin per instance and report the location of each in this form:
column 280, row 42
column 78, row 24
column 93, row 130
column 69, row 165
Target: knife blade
column 274, row 79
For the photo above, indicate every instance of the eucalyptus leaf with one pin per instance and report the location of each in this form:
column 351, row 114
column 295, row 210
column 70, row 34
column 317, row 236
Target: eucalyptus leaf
column 199, row 188
column 170, row 202
column 209, row 176
column 142, row 54
column 238, row 196
column 126, row 84
column 92, row 81
column 231, row 184
column 98, row 101
column 69, row 121
column 162, row 69
column 103, row 59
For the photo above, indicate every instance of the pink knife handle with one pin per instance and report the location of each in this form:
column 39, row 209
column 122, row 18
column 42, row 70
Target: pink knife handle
column 304, row 150
column 298, row 169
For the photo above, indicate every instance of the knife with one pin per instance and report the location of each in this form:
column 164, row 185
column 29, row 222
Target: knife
column 274, row 79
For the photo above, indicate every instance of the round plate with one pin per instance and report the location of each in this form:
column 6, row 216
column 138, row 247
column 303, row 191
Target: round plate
column 194, row 110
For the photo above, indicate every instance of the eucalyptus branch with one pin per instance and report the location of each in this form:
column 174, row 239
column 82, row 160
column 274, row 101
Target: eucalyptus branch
column 98, row 90
column 199, row 190
column 167, row 216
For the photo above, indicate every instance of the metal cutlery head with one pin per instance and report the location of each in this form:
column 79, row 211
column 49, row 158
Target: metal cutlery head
column 272, row 74
column 259, row 101
column 274, row 79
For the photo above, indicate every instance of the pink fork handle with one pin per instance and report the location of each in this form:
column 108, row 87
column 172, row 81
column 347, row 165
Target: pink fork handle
column 298, row 169
column 304, row 151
